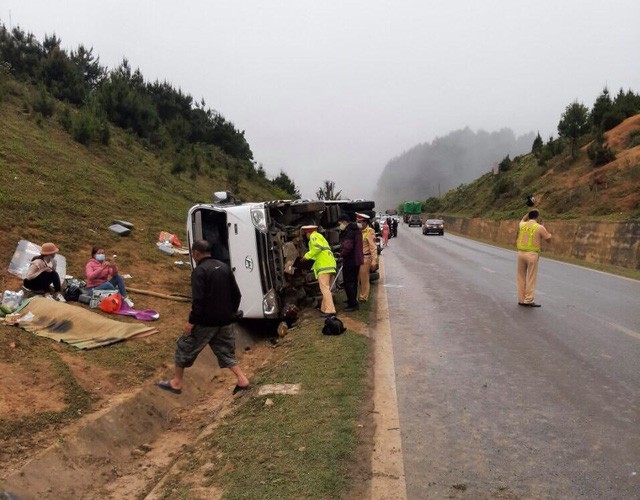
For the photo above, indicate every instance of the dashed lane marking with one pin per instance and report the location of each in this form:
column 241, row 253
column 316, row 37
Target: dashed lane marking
column 625, row 330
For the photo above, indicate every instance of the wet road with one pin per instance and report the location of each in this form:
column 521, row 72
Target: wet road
column 502, row 401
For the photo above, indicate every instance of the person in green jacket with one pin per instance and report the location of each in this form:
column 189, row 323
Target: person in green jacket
column 324, row 266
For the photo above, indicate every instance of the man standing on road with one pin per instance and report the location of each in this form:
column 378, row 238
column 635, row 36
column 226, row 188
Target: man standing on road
column 529, row 235
column 352, row 259
column 324, row 266
column 215, row 301
column 370, row 253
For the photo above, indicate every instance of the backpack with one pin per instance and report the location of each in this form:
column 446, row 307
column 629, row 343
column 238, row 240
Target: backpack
column 73, row 290
column 333, row 326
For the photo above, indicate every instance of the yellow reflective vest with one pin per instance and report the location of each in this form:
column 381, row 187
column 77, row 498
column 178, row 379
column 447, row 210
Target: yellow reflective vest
column 320, row 252
column 525, row 237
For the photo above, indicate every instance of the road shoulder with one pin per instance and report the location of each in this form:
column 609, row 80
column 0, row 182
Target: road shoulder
column 387, row 465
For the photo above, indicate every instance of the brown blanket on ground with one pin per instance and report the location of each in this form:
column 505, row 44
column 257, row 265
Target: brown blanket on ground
column 78, row 326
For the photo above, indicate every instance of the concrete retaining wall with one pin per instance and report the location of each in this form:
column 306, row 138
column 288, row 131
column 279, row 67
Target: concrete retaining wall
column 616, row 243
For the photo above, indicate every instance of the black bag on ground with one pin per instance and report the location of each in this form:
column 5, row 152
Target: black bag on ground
column 333, row 326
column 73, row 290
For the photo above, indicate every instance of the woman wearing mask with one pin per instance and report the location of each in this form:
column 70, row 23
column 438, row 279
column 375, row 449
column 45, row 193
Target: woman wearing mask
column 42, row 274
column 102, row 274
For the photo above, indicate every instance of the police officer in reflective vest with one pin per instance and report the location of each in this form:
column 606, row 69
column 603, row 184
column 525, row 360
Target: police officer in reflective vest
column 529, row 235
column 324, row 266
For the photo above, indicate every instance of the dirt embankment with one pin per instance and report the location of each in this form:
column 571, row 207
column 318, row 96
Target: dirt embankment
column 124, row 449
column 614, row 243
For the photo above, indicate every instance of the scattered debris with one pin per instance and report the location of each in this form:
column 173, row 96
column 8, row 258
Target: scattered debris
column 26, row 318
column 290, row 389
column 165, row 247
column 282, row 329
column 269, row 402
column 177, row 298
column 124, row 223
column 120, row 230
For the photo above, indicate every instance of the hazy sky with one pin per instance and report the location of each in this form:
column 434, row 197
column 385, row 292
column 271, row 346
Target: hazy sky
column 333, row 89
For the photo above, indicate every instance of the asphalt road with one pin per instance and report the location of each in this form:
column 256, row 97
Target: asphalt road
column 502, row 401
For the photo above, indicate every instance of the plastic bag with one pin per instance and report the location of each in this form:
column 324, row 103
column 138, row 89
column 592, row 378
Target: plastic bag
column 25, row 251
column 111, row 304
column 12, row 300
column 170, row 238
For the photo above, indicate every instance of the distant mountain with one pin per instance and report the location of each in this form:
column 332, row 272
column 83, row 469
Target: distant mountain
column 459, row 157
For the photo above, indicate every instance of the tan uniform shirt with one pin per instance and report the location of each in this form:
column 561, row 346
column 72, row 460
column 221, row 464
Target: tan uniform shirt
column 369, row 245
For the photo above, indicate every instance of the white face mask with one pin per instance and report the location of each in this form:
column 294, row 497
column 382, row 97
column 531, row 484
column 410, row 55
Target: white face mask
column 361, row 225
column 100, row 257
column 342, row 226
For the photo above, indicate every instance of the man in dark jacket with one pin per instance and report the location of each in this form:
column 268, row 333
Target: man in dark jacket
column 215, row 301
column 394, row 227
column 352, row 259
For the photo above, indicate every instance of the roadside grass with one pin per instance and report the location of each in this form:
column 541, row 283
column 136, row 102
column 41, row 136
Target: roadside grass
column 301, row 446
column 607, row 268
column 55, row 189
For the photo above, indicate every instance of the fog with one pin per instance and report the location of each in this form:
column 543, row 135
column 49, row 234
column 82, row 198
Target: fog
column 333, row 89
column 433, row 168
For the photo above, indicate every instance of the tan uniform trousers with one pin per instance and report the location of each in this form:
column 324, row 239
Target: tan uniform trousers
column 324, row 280
column 527, row 274
column 363, row 279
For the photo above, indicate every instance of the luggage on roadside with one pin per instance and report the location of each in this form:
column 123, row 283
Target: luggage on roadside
column 333, row 326
column 73, row 289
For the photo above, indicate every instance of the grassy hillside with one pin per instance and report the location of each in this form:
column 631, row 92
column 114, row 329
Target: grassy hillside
column 55, row 189
column 564, row 188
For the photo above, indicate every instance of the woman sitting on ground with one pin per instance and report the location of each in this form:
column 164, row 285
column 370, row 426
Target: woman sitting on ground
column 42, row 274
column 102, row 274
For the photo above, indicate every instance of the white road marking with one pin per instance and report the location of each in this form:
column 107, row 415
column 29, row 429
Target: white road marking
column 393, row 286
column 387, row 464
column 488, row 270
column 625, row 330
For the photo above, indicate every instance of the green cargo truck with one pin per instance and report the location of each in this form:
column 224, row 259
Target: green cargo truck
column 411, row 208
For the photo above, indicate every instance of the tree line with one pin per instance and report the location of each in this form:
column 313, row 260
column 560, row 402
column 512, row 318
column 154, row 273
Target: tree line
column 578, row 125
column 153, row 110
column 579, row 122
column 96, row 98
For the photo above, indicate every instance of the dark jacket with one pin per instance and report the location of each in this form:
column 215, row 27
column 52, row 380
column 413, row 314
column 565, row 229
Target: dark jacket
column 215, row 293
column 351, row 240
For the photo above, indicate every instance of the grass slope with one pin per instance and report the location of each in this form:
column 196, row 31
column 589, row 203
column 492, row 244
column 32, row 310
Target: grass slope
column 565, row 188
column 54, row 189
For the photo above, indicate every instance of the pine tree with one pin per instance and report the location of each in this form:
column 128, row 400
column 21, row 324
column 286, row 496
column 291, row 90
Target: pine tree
column 573, row 124
column 537, row 145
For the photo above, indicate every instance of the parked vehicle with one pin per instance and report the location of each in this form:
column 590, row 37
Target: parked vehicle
column 433, row 226
column 414, row 220
column 261, row 241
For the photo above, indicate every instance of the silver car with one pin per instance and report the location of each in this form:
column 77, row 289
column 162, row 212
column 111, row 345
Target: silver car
column 433, row 226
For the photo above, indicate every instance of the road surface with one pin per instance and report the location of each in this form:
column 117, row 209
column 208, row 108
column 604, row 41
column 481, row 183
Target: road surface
column 502, row 401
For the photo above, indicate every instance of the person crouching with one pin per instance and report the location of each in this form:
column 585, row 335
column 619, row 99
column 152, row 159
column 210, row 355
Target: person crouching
column 42, row 275
column 324, row 266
